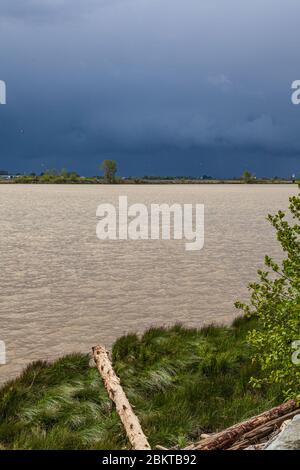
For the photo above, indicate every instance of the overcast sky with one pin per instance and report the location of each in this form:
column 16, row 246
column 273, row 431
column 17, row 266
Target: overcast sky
column 162, row 86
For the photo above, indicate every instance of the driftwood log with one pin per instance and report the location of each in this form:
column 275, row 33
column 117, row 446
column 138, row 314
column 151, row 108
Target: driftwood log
column 116, row 393
column 226, row 439
column 255, row 436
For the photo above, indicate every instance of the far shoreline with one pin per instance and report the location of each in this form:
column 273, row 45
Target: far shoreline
column 142, row 181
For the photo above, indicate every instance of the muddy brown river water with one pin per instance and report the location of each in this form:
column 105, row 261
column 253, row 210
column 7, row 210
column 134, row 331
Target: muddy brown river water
column 63, row 290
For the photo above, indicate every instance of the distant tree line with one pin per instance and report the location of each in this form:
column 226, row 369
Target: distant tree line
column 109, row 170
column 53, row 177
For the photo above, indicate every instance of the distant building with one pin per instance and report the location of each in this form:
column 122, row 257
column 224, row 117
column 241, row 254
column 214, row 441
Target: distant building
column 4, row 175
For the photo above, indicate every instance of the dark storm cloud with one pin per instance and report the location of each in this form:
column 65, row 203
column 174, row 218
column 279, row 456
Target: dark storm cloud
column 164, row 86
column 50, row 9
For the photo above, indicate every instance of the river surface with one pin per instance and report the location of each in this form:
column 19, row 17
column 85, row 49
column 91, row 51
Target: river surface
column 63, row 290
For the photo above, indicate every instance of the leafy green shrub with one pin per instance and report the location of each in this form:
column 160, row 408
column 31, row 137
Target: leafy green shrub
column 275, row 301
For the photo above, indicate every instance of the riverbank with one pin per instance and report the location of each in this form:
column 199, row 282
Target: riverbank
column 89, row 181
column 182, row 383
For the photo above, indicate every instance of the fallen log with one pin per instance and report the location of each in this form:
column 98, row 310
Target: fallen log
column 225, row 439
column 262, row 431
column 116, row 393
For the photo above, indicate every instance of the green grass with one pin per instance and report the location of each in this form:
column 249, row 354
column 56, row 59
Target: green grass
column 181, row 381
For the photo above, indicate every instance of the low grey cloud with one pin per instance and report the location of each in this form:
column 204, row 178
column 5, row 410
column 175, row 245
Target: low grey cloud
column 51, row 9
column 220, row 81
